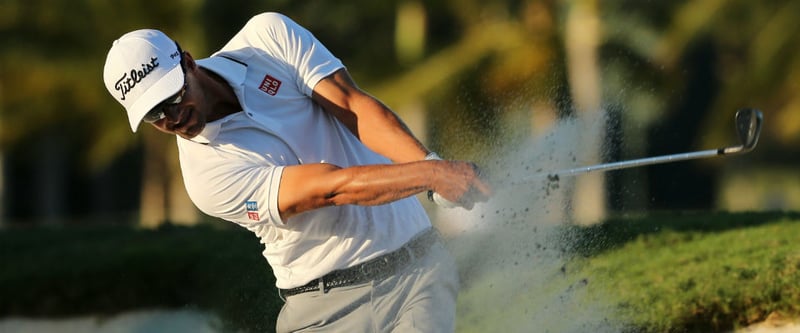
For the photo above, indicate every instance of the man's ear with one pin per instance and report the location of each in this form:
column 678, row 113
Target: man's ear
column 188, row 61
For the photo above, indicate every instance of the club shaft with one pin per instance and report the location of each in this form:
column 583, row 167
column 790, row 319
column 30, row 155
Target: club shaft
column 631, row 163
column 640, row 162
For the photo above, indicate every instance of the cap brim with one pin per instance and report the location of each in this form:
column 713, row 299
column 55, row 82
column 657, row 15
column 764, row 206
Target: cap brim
column 167, row 86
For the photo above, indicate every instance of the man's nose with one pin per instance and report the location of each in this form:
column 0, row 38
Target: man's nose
column 171, row 113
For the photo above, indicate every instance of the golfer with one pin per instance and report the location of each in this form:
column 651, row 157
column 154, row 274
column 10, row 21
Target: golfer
column 274, row 135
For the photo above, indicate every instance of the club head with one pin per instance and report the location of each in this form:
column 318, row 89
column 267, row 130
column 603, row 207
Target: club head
column 748, row 127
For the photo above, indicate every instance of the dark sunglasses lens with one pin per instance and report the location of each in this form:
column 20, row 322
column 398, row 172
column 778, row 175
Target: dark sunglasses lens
column 154, row 115
column 158, row 112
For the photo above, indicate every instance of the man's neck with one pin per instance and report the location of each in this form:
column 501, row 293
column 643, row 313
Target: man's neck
column 222, row 97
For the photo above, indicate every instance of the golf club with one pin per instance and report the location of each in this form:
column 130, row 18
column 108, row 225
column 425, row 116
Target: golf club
column 748, row 128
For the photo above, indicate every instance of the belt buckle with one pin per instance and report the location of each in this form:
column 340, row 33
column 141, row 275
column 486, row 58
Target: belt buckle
column 362, row 268
column 323, row 286
column 368, row 270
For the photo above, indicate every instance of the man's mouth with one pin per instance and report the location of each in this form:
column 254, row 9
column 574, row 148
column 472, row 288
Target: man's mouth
column 183, row 118
column 187, row 125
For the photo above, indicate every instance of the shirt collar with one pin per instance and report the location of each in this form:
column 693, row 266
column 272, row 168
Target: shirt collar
column 232, row 71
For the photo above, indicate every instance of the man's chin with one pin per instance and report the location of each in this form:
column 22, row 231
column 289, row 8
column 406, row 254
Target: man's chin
column 192, row 132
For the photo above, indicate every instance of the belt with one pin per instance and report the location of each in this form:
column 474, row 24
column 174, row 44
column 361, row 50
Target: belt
column 375, row 269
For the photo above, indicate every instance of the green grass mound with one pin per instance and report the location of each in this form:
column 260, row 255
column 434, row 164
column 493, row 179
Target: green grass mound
column 694, row 272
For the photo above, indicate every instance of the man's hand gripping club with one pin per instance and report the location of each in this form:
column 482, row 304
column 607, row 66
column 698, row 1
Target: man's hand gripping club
column 461, row 184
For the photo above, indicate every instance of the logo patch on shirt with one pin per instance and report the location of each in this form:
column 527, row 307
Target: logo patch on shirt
column 270, row 85
column 252, row 210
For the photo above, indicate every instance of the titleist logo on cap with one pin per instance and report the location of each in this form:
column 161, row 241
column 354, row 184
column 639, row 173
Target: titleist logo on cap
column 127, row 82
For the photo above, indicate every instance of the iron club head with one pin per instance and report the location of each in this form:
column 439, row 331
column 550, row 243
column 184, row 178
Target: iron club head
column 748, row 128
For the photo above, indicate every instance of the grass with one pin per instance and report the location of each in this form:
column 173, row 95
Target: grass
column 674, row 272
column 697, row 272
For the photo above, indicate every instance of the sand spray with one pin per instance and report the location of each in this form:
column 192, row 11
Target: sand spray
column 514, row 273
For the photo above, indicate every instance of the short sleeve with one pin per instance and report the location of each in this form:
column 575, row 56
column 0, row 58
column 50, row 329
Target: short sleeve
column 232, row 185
column 308, row 59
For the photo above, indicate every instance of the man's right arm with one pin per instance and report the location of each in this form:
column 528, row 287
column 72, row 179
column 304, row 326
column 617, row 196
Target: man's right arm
column 311, row 186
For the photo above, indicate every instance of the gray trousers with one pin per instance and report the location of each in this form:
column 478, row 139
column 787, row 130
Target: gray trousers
column 420, row 298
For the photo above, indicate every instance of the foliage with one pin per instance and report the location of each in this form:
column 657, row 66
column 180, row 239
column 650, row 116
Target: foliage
column 490, row 71
column 672, row 272
column 103, row 270
column 51, row 69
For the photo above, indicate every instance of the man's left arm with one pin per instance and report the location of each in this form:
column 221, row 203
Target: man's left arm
column 377, row 126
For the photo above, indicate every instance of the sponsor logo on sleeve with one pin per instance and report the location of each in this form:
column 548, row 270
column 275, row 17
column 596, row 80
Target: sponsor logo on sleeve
column 252, row 210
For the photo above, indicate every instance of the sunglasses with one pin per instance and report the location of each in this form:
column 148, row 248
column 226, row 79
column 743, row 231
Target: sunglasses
column 159, row 111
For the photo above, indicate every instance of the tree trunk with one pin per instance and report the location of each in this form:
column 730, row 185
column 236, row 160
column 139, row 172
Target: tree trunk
column 154, row 179
column 164, row 197
column 588, row 199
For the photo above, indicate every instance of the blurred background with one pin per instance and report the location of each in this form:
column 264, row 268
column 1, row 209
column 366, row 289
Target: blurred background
column 470, row 77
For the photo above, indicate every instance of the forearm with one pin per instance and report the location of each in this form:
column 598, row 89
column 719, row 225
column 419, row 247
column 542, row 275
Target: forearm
column 311, row 186
column 458, row 182
column 380, row 184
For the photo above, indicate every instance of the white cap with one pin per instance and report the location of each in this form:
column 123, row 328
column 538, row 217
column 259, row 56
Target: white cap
column 142, row 69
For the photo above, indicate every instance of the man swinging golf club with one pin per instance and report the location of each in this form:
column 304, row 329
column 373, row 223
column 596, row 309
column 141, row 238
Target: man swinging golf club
column 274, row 135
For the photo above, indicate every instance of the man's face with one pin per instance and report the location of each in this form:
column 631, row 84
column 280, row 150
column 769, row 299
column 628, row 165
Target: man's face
column 182, row 114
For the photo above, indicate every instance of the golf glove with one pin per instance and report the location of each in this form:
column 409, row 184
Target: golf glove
column 435, row 197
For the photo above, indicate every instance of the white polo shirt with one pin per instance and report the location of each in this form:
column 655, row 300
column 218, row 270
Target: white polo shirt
column 232, row 170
